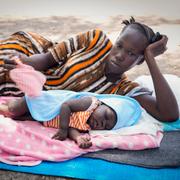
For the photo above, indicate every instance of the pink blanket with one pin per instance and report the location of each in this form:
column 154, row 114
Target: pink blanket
column 28, row 143
column 31, row 82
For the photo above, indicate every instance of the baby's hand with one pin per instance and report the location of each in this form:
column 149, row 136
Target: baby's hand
column 84, row 141
column 61, row 134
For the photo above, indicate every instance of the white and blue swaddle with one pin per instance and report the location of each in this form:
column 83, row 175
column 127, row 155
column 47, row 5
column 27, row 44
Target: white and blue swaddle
column 48, row 105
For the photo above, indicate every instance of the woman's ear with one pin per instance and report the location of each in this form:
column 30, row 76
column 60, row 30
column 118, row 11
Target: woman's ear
column 140, row 59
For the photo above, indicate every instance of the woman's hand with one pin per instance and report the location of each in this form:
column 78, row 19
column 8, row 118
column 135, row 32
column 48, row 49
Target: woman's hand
column 10, row 63
column 4, row 75
column 156, row 48
column 84, row 141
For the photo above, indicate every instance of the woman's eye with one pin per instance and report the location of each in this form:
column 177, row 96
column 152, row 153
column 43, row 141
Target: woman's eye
column 131, row 53
column 119, row 45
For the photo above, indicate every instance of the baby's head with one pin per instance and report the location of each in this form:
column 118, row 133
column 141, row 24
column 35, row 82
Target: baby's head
column 103, row 118
column 114, row 113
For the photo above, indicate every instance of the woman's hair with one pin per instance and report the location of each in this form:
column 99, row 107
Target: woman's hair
column 144, row 29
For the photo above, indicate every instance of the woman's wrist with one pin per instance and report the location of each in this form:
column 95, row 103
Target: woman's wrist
column 149, row 56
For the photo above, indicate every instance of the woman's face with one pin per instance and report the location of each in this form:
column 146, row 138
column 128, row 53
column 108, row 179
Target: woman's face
column 127, row 52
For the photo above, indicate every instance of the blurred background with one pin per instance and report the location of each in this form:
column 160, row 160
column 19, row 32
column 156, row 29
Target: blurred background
column 61, row 19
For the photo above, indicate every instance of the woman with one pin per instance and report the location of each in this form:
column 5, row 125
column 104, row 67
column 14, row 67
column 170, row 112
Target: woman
column 89, row 62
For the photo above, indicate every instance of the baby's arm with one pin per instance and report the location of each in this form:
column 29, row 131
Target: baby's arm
column 67, row 108
column 83, row 141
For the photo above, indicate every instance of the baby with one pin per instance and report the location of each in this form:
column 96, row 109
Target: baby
column 74, row 113
column 76, row 116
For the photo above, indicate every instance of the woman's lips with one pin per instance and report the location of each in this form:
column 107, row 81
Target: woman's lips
column 114, row 68
column 113, row 71
column 114, row 62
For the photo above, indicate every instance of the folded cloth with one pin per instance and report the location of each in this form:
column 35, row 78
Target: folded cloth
column 28, row 79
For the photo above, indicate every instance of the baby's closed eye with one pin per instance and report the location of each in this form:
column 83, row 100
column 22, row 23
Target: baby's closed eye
column 110, row 117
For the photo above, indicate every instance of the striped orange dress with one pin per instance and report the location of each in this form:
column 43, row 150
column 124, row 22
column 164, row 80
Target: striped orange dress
column 78, row 120
column 79, row 60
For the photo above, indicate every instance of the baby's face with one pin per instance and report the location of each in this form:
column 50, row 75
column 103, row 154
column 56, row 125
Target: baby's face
column 103, row 118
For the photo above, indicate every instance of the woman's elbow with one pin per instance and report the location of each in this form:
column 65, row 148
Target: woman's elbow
column 170, row 117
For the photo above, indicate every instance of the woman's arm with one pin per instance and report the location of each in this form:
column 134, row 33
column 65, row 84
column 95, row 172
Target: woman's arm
column 60, row 53
column 40, row 62
column 164, row 107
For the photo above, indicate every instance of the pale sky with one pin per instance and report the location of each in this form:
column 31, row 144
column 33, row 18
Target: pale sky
column 93, row 9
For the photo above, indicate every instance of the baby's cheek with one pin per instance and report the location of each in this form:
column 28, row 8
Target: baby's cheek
column 90, row 122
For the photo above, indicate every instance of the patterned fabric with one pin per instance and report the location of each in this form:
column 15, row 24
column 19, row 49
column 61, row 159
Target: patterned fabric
column 80, row 63
column 82, row 69
column 78, row 120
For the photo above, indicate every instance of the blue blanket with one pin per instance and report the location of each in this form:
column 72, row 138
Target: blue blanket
column 87, row 168
column 173, row 126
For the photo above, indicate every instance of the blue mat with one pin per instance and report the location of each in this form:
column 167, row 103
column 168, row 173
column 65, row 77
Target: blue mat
column 88, row 168
column 172, row 126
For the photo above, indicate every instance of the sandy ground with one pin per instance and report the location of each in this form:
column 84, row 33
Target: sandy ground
column 59, row 28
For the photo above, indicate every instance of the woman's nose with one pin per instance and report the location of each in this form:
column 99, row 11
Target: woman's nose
column 120, row 54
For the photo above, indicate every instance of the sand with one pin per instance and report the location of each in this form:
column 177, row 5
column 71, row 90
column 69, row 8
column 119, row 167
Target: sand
column 57, row 28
